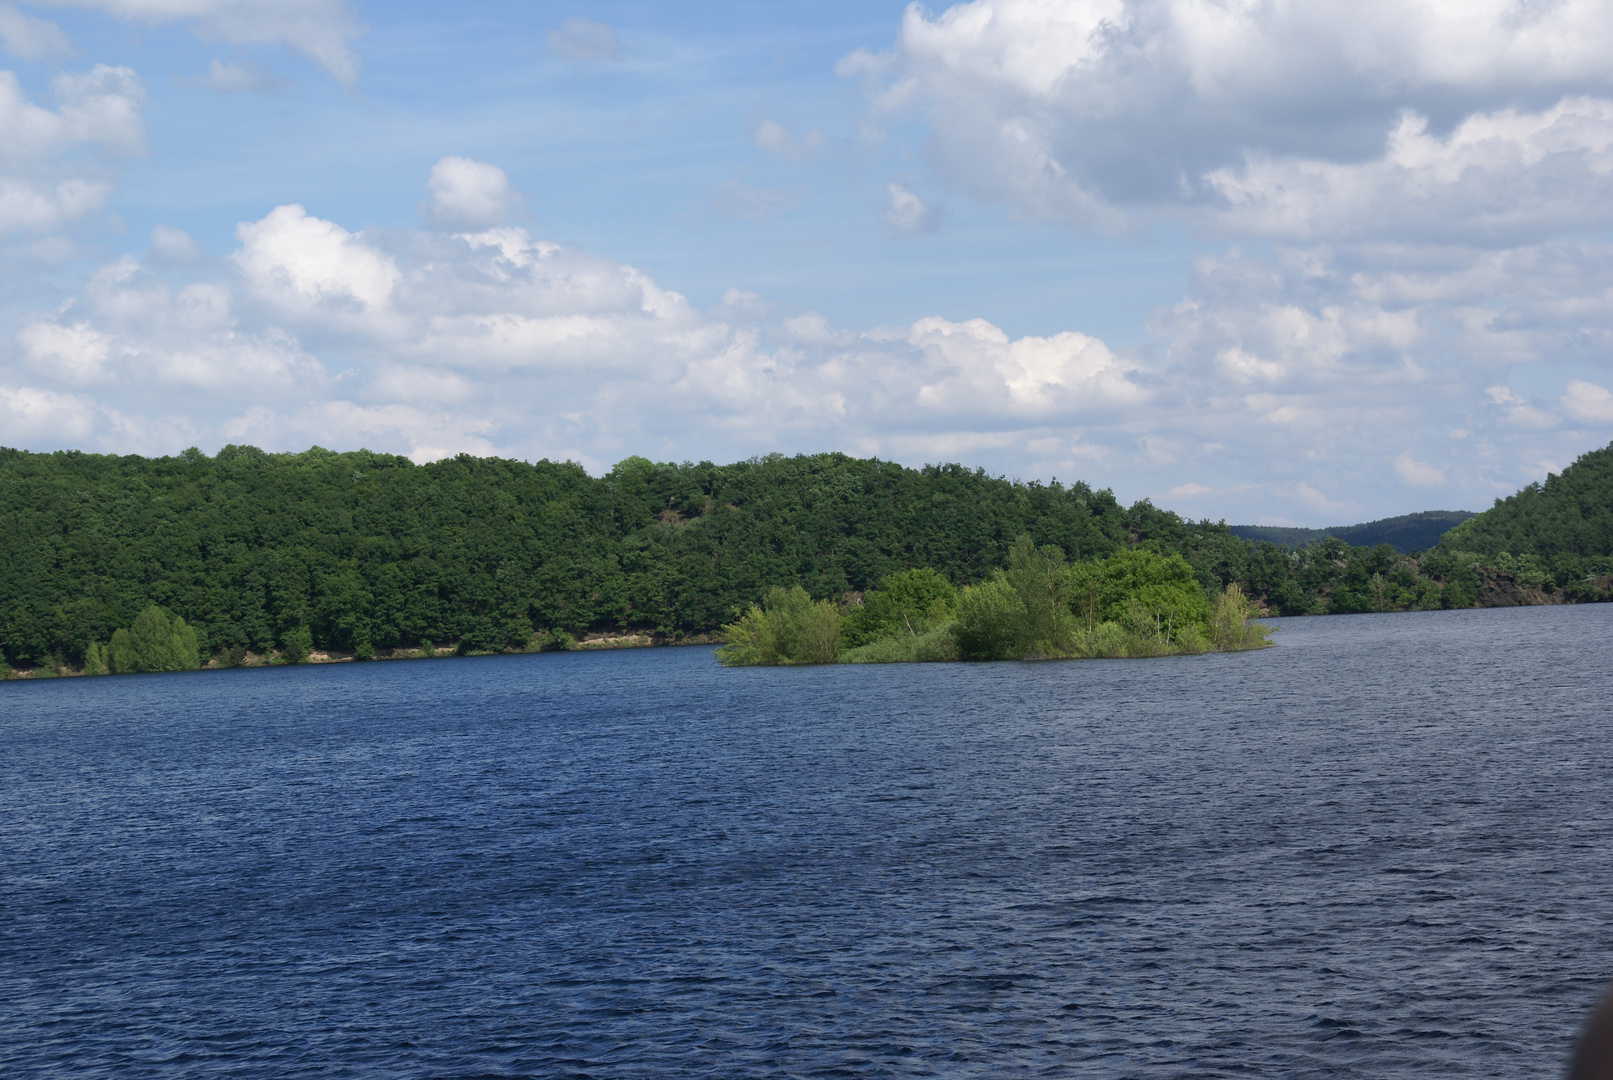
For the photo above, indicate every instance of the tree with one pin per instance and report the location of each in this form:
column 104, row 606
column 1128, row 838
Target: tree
column 154, row 643
column 911, row 602
column 789, row 628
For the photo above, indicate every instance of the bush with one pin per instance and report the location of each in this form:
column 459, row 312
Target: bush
column 96, row 661
column 154, row 643
column 1163, row 585
column 789, row 628
column 911, row 603
column 991, row 622
column 556, row 641
column 1232, row 622
column 933, row 646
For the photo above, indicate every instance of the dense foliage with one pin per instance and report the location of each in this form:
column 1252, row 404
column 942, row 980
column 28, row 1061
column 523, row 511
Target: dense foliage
column 1407, row 533
column 1564, row 522
column 1132, row 603
column 362, row 552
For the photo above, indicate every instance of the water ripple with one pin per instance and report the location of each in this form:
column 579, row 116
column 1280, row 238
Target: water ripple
column 1381, row 850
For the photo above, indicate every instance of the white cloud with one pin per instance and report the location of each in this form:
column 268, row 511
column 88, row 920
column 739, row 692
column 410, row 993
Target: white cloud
column 1499, row 177
column 76, row 354
column 55, row 165
column 1301, row 120
column 28, row 38
column 907, row 213
column 1417, row 473
column 1588, row 403
column 585, row 41
column 171, row 246
column 1276, row 384
column 302, row 263
column 467, row 194
column 238, row 78
column 29, row 415
column 321, row 30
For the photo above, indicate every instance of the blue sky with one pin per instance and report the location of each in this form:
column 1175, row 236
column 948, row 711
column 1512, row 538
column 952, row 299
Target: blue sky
column 1305, row 264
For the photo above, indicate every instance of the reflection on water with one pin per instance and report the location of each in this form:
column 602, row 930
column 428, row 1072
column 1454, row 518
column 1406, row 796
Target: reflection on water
column 1379, row 850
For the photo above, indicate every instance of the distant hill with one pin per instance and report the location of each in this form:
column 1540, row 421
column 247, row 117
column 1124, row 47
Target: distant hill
column 1568, row 516
column 1407, row 533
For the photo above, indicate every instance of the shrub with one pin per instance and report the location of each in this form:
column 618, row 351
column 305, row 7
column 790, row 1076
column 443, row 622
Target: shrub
column 1232, row 622
column 556, row 641
column 929, row 647
column 788, row 628
column 911, row 603
column 95, row 660
column 154, row 643
column 991, row 622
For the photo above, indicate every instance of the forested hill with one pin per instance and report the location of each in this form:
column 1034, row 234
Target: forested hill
column 370, row 549
column 1406, row 533
column 362, row 552
column 1566, row 518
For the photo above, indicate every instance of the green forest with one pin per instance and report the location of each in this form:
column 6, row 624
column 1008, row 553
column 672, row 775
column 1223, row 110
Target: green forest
column 250, row 555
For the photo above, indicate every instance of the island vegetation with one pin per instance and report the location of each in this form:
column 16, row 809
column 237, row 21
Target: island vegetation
column 1133, row 603
column 280, row 558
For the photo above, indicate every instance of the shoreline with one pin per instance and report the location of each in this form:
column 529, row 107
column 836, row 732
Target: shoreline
column 589, row 642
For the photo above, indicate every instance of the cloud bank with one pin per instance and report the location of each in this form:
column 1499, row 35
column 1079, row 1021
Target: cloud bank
column 1404, row 300
column 1273, row 384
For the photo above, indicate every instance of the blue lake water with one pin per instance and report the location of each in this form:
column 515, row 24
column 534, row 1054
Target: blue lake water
column 1384, row 849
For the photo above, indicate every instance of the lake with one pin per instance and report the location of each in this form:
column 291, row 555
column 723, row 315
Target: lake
column 1382, row 849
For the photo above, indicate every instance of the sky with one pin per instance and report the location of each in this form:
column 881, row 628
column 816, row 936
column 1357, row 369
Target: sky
column 1256, row 260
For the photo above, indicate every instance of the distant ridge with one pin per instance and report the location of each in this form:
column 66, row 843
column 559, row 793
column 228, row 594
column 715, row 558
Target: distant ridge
column 1407, row 533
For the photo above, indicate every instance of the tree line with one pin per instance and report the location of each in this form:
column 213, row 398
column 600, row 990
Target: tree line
column 359, row 551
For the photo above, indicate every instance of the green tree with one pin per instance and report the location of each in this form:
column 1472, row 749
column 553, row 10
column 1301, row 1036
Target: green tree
column 1139, row 584
column 154, row 643
column 788, row 628
column 297, row 643
column 991, row 621
column 96, row 661
column 910, row 602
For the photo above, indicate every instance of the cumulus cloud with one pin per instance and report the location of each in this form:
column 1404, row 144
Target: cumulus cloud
column 1297, row 120
column 171, row 246
column 585, row 41
column 28, row 38
column 907, row 213
column 466, row 194
column 321, row 30
column 1588, row 403
column 1281, row 379
column 496, row 340
column 305, row 265
column 55, row 164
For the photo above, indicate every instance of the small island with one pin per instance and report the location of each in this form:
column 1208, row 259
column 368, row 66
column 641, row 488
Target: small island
column 1134, row 603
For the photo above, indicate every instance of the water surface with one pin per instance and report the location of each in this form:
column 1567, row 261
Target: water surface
column 1380, row 850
